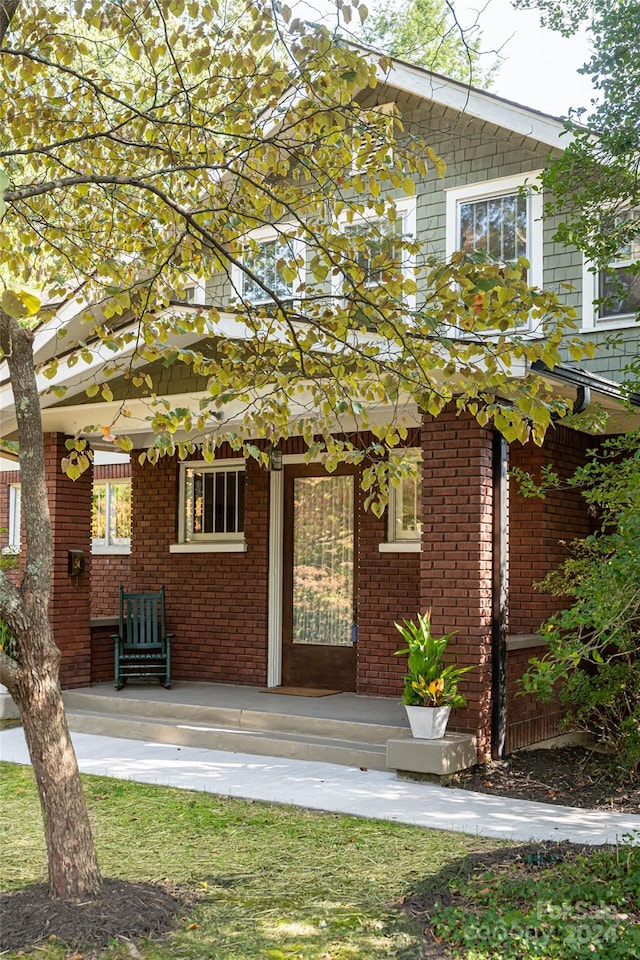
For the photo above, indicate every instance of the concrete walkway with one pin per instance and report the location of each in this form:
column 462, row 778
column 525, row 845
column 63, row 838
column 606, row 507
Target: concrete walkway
column 324, row 786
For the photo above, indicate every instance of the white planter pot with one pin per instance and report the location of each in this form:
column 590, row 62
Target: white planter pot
column 428, row 723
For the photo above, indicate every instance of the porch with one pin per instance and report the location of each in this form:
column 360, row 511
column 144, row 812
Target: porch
column 342, row 728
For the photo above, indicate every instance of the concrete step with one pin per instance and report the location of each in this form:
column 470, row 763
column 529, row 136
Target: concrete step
column 236, row 738
column 235, row 718
column 297, row 734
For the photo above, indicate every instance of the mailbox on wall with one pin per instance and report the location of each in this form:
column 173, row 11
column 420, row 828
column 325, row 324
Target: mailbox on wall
column 75, row 563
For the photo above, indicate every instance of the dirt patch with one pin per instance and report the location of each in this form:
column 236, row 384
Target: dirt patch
column 123, row 910
column 568, row 776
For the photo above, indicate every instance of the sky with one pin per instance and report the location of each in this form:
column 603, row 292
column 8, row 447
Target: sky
column 538, row 66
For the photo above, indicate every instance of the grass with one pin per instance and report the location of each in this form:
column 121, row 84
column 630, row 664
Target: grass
column 561, row 904
column 277, row 883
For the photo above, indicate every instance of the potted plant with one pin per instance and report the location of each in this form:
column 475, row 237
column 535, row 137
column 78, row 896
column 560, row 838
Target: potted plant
column 430, row 686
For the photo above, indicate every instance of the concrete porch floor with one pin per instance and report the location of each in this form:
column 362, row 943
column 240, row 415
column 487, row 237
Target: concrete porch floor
column 348, row 707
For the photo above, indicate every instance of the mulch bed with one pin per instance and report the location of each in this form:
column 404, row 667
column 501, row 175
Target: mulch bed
column 123, row 910
column 567, row 776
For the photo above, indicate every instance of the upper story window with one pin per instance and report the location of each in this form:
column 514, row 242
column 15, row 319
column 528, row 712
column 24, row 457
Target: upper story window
column 375, row 248
column 111, row 516
column 611, row 296
column 499, row 218
column 619, row 285
column 270, row 258
column 494, row 225
column 195, row 291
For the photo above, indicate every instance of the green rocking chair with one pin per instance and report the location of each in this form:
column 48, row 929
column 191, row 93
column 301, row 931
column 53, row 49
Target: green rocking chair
column 142, row 646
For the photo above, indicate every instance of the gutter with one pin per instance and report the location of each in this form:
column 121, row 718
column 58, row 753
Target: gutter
column 584, row 380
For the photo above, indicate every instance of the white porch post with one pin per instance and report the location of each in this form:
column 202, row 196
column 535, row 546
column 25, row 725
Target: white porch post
column 276, row 509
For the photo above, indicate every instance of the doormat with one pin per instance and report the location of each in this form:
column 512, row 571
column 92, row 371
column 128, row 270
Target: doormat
column 300, row 691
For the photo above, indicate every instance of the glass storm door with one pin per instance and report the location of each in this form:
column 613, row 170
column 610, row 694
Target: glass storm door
column 319, row 582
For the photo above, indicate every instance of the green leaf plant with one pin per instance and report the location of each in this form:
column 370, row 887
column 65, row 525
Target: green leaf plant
column 429, row 681
column 593, row 660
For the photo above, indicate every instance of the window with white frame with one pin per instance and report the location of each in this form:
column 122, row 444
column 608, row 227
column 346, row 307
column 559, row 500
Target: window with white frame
column 500, row 218
column 212, row 502
column 611, row 295
column 404, row 501
column 14, row 532
column 195, row 291
column 111, row 516
column 271, row 258
column 375, row 248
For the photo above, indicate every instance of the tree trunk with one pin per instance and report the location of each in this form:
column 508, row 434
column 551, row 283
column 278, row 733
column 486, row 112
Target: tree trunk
column 72, row 863
column 32, row 678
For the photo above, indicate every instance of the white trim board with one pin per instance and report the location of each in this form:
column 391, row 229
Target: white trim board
column 476, row 103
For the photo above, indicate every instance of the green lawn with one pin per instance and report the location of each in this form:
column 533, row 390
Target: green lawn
column 277, row 883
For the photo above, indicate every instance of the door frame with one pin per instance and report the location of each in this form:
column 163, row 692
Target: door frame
column 276, row 564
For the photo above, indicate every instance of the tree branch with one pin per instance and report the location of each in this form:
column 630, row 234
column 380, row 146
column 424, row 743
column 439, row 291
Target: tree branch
column 9, row 598
column 7, row 10
column 8, row 671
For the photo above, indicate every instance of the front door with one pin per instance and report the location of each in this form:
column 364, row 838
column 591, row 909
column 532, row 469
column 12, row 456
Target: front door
column 319, row 587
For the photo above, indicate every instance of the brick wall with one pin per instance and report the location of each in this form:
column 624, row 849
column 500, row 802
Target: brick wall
column 69, row 607
column 216, row 602
column 388, row 591
column 102, row 649
column 456, row 559
column 108, row 572
column 539, row 529
column 529, row 720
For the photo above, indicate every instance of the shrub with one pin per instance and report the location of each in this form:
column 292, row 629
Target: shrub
column 594, row 644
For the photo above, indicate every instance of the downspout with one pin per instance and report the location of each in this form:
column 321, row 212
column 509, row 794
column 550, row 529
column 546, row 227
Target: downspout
column 582, row 400
column 499, row 596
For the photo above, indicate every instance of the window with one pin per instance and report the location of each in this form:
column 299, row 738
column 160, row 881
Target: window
column 212, row 502
column 375, row 250
column 496, row 226
column 111, row 516
column 611, row 296
column 268, row 255
column 497, row 218
column 619, row 286
column 14, row 536
column 195, row 291
column 404, row 509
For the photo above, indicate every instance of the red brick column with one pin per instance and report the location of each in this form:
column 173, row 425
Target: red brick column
column 70, row 604
column 457, row 553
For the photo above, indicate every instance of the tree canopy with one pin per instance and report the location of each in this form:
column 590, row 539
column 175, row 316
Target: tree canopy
column 595, row 184
column 428, row 33
column 142, row 144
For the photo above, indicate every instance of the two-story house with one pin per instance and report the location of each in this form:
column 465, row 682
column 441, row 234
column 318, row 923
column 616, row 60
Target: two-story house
column 280, row 576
